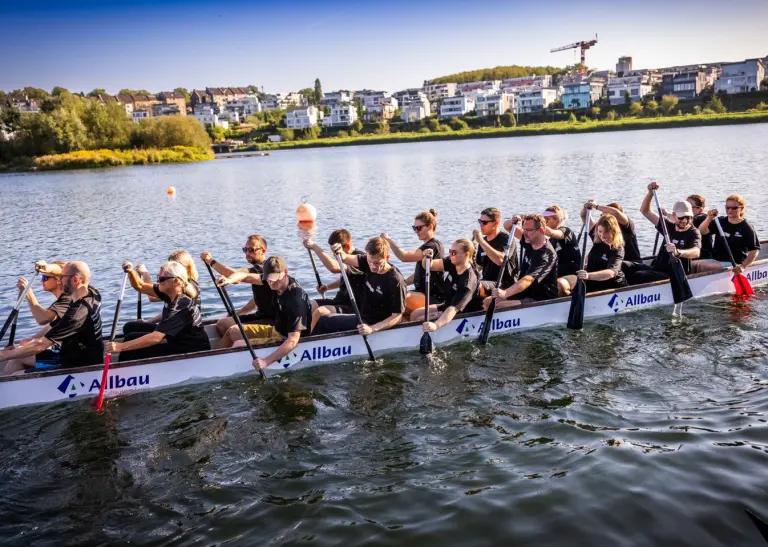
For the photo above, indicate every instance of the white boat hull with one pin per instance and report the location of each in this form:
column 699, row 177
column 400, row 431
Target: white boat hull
column 63, row 385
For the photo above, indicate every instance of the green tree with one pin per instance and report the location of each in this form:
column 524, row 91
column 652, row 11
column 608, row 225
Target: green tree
column 555, row 105
column 318, row 91
column 635, row 109
column 508, row 119
column 360, row 110
column 97, row 91
column 668, row 104
column 572, row 118
column 308, row 94
column 59, row 91
column 594, row 112
column 457, row 124
column 496, row 73
column 627, row 98
column 184, row 92
column 357, row 125
column 168, row 131
column 610, row 115
column 127, row 91
column 716, row 105
column 652, row 108
column 34, row 93
column 108, row 125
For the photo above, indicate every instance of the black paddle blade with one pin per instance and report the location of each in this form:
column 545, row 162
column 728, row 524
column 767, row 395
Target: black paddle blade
column 578, row 299
column 681, row 290
column 486, row 330
column 759, row 523
column 425, row 346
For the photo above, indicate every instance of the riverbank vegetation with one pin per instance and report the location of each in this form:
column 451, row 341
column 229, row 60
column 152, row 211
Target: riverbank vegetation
column 68, row 124
column 497, row 73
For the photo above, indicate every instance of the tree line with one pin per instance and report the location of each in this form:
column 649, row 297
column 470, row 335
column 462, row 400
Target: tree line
column 496, row 73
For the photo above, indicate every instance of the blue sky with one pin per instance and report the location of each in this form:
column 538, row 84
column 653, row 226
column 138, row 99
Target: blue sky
column 284, row 46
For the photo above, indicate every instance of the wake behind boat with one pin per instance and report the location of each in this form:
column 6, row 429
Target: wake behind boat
column 161, row 372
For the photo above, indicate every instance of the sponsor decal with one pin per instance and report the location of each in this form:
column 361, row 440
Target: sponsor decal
column 502, row 324
column 617, row 303
column 465, row 328
column 757, row 275
column 71, row 386
column 314, row 354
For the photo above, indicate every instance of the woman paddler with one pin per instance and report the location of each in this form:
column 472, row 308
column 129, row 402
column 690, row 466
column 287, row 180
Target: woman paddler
column 425, row 226
column 604, row 259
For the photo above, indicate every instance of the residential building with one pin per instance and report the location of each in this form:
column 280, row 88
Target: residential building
column 414, row 112
column 581, row 91
column 636, row 84
column 624, row 66
column 453, row 107
column 232, row 116
column 302, row 117
column 536, row 99
column 163, row 109
column 139, row 115
column 342, row 115
column 137, row 102
column 245, row 106
column 416, row 98
column 174, row 97
column 370, row 98
column 336, row 97
column 543, row 80
column 384, row 109
column 208, row 114
column 684, row 85
column 437, row 92
column 405, row 95
column 487, row 86
column 198, row 96
column 282, row 101
column 741, row 77
column 494, row 104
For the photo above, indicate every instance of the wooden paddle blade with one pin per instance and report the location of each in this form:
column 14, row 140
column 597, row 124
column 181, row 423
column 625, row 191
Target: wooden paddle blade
column 743, row 286
column 759, row 523
column 425, row 346
column 486, row 328
column 681, row 289
column 578, row 300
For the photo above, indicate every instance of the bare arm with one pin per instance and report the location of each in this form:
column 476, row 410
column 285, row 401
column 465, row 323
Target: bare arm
column 144, row 342
column 240, row 277
column 42, row 315
column 330, row 264
column 446, row 317
column 402, row 255
column 25, row 349
column 251, row 304
column 284, row 349
column 621, row 217
column 704, row 226
column 387, row 323
column 519, row 286
column 645, row 208
column 138, row 284
column 751, row 257
column 497, row 257
column 602, row 275
column 553, row 233
column 436, row 266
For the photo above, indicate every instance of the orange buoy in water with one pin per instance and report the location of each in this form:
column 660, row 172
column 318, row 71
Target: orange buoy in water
column 306, row 213
column 170, row 191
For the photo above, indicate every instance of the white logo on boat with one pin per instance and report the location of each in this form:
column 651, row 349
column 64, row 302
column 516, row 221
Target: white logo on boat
column 757, row 275
column 71, row 386
column 315, row 354
column 617, row 303
column 467, row 327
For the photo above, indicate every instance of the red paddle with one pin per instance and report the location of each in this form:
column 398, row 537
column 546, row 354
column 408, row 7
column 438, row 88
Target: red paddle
column 108, row 359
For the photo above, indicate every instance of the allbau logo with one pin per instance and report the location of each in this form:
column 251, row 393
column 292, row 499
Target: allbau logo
column 314, row 354
column 502, row 324
column 71, row 386
column 757, row 275
column 616, row 303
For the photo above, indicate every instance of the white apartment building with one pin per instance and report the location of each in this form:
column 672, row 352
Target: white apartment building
column 414, row 112
column 369, row 98
column 741, row 77
column 636, row 84
column 494, row 104
column 488, row 86
column 453, row 107
column 435, row 92
column 342, row 115
column 545, row 80
column 302, row 117
column 139, row 115
column 245, row 106
column 536, row 99
column 208, row 114
column 282, row 101
column 336, row 97
column 383, row 110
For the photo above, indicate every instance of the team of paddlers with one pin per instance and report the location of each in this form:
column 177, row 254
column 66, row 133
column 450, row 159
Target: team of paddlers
column 537, row 258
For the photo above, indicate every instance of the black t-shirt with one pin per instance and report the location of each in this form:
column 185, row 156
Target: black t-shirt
column 568, row 253
column 263, row 296
column 541, row 264
column 293, row 311
column 78, row 332
column 384, row 293
column 489, row 270
column 60, row 307
column 462, row 291
column 687, row 239
column 742, row 238
column 435, row 281
column 706, row 240
column 182, row 324
column 604, row 257
column 631, row 248
column 356, row 281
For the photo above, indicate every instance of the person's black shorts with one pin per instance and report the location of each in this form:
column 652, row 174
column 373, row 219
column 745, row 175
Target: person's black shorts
column 256, row 318
column 334, row 305
column 336, row 323
column 47, row 359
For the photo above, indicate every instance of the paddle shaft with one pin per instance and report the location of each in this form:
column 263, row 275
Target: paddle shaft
column 225, row 301
column 314, row 268
column 656, row 243
column 108, row 357
column 426, row 340
column 483, row 338
column 661, row 217
column 678, row 280
column 579, row 291
column 725, row 240
column 354, row 303
column 138, row 306
column 15, row 312
column 223, row 291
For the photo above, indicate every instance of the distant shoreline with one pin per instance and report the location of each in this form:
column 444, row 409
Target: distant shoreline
column 556, row 128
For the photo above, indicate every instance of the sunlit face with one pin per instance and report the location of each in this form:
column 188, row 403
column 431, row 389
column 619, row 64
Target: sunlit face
column 51, row 282
column 457, row 255
column 254, row 252
column 733, row 209
column 697, row 210
column 682, row 223
column 487, row 226
column 530, row 231
column 604, row 234
column 377, row 263
column 552, row 222
column 69, row 281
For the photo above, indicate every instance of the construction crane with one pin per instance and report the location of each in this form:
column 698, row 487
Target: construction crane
column 584, row 46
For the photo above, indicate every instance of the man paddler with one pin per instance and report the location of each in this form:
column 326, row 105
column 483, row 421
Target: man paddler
column 77, row 332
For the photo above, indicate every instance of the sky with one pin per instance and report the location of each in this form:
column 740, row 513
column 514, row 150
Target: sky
column 284, row 46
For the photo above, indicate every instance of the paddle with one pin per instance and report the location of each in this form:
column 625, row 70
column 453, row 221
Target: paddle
column 425, row 346
column 681, row 290
column 656, row 243
column 138, row 306
column 314, row 268
column 226, row 301
column 15, row 312
column 108, row 358
column 579, row 292
column 740, row 281
column 354, row 302
column 759, row 523
column 486, row 330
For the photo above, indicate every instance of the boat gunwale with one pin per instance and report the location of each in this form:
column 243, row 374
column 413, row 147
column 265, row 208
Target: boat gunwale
column 213, row 352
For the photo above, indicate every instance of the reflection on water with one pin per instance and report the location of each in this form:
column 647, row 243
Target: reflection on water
column 642, row 429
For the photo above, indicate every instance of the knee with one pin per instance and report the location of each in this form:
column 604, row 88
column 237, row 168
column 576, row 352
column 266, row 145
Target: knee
column 233, row 333
column 417, row 315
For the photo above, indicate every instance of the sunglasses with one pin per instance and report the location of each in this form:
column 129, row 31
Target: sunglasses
column 733, row 208
column 161, row 278
column 45, row 278
column 252, row 249
column 417, row 229
column 484, row 222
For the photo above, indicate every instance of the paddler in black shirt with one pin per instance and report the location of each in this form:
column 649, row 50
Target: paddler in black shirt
column 383, row 303
column 425, row 226
column 462, row 286
column 292, row 315
column 538, row 271
column 604, row 260
column 633, row 261
column 740, row 237
column 77, row 332
column 260, row 308
column 340, row 303
column 180, row 329
column 685, row 240
column 490, row 252
column 698, row 206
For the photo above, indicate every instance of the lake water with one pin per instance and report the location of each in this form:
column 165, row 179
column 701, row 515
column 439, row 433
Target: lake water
column 639, row 430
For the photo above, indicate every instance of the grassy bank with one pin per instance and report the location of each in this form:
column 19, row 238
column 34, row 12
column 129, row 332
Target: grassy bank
column 556, row 128
column 88, row 159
